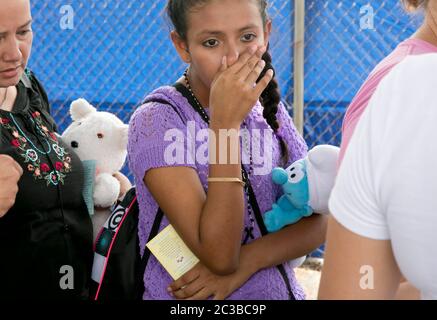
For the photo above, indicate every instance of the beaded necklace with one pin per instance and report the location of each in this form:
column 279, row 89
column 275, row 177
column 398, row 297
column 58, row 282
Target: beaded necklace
column 30, row 141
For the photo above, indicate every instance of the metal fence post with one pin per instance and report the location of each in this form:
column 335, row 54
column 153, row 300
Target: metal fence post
column 299, row 61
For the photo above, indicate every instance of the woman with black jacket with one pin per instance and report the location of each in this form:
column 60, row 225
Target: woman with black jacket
column 46, row 236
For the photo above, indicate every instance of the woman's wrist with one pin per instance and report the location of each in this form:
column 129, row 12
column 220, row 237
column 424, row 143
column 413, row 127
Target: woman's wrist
column 224, row 146
column 217, row 125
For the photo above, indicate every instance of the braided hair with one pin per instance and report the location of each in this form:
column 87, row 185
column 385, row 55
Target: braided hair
column 177, row 11
column 270, row 99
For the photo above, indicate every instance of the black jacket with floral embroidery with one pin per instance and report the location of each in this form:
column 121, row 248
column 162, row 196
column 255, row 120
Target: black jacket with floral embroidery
column 46, row 238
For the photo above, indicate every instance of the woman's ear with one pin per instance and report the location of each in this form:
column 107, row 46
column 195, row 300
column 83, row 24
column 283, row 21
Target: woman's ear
column 267, row 32
column 181, row 47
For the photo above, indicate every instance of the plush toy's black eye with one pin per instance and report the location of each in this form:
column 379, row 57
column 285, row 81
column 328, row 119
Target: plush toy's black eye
column 293, row 176
column 100, row 135
column 292, row 169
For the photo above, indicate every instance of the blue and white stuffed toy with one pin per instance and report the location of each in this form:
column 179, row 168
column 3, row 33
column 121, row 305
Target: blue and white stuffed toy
column 306, row 184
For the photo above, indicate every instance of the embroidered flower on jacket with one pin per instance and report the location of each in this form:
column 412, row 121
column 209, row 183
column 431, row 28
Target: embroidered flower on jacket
column 53, row 136
column 44, row 167
column 31, row 155
column 59, row 166
column 40, row 171
column 16, row 143
column 36, row 114
column 4, row 121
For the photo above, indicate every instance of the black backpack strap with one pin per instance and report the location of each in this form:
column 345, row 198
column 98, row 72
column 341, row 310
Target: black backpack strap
column 183, row 90
column 146, row 255
column 153, row 234
column 162, row 101
column 263, row 229
column 178, row 87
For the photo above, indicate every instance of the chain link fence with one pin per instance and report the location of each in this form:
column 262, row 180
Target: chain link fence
column 114, row 52
column 345, row 40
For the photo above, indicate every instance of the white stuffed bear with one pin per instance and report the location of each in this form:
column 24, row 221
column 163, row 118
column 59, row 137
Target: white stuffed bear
column 100, row 137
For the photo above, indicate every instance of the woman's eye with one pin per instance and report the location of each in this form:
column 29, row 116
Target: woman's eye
column 210, row 43
column 248, row 37
column 23, row 33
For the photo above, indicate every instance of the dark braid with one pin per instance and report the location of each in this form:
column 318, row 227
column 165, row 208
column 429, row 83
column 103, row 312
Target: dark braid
column 177, row 11
column 270, row 99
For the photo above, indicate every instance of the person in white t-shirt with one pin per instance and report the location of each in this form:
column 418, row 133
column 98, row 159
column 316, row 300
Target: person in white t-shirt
column 384, row 203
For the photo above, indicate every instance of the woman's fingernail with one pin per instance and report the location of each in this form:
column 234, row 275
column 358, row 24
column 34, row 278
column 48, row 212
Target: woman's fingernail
column 169, row 289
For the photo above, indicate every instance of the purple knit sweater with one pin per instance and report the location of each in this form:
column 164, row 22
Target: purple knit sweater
column 148, row 149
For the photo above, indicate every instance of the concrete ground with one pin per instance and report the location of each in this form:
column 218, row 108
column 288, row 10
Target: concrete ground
column 308, row 276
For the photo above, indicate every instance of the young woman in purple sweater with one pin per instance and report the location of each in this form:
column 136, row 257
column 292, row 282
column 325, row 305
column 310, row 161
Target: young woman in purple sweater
column 180, row 165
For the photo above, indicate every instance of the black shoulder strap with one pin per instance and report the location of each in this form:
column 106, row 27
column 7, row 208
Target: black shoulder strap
column 165, row 102
column 263, row 229
column 145, row 259
column 185, row 93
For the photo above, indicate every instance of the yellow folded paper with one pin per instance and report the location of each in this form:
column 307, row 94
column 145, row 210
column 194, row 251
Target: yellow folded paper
column 172, row 252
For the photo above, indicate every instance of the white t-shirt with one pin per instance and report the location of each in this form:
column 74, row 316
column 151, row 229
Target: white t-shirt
column 386, row 187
